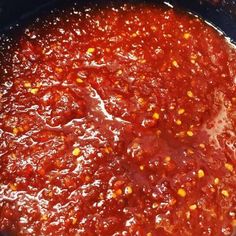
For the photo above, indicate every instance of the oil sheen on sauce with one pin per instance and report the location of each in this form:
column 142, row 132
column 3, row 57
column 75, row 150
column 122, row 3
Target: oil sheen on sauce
column 118, row 121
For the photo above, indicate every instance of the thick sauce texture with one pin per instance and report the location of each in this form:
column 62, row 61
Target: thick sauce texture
column 119, row 121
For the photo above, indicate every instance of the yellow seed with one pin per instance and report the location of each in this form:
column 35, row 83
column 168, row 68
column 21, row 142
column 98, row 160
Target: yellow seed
column 76, row 152
column 87, row 178
column 154, row 205
column 58, row 70
column 190, row 94
column 74, row 220
column 90, row 50
column 141, row 167
column 128, row 190
column 156, row 116
column 13, row 156
column 38, row 85
column 181, row 111
column 178, row 122
column 79, row 81
column 141, row 101
column 181, row 192
column 229, row 167
column 149, row 234
column 101, row 196
column 119, row 72
column 44, row 217
column 190, row 151
column 212, row 189
column 142, row 61
column 107, row 150
column 15, row 131
column 188, row 215
column 118, row 192
column 20, row 129
column 13, row 187
column 181, row 134
column 193, row 207
column 216, row 181
column 167, row 159
column 233, row 223
column 187, row 35
column 119, row 97
column 200, row 174
column 189, row 133
column 108, row 49
column 193, row 56
column 27, row 84
column 172, row 201
column 34, row 90
column 153, row 28
column 201, row 145
column 158, row 132
column 175, row 64
column 225, row 193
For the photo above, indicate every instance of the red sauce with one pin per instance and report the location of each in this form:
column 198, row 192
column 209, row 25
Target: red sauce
column 119, row 122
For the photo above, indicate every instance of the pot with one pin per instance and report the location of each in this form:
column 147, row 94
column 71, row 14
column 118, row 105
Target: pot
column 15, row 14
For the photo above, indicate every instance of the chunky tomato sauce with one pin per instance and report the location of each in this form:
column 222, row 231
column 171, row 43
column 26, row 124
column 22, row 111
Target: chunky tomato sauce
column 118, row 121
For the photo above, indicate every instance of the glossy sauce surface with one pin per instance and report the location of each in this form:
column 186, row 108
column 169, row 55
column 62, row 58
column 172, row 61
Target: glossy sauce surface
column 119, row 121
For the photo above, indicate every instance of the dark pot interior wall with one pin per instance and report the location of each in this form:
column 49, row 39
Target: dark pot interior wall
column 221, row 13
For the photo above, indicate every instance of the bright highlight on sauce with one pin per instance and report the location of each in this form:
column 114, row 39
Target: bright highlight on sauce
column 118, row 121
